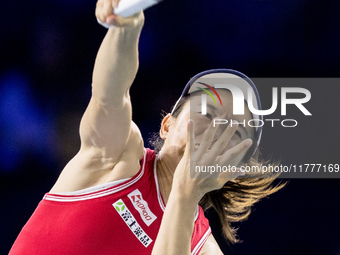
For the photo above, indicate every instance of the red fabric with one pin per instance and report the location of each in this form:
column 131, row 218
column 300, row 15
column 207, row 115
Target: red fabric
column 90, row 223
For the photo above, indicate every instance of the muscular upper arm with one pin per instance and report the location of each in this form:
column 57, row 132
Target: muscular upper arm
column 107, row 129
column 111, row 148
column 211, row 247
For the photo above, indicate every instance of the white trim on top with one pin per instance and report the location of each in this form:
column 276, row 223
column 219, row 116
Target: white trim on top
column 197, row 213
column 100, row 192
column 159, row 195
column 201, row 242
column 92, row 189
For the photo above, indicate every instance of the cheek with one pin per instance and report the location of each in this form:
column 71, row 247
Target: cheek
column 200, row 131
column 179, row 135
column 202, row 123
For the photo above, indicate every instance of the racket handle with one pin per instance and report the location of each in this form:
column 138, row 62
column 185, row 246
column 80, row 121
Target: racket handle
column 127, row 8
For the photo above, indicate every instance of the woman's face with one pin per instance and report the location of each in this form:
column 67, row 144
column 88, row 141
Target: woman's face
column 176, row 137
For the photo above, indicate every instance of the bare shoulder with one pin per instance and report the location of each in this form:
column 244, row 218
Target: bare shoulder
column 211, row 247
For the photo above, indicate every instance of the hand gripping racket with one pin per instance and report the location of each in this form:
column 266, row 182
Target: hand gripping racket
column 126, row 8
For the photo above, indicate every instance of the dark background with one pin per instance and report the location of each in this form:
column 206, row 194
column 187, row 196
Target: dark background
column 47, row 54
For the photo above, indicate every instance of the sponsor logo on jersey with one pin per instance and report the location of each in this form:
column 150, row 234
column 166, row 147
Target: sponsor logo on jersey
column 131, row 222
column 142, row 207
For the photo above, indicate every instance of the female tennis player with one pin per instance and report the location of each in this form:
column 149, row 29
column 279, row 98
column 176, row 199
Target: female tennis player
column 117, row 197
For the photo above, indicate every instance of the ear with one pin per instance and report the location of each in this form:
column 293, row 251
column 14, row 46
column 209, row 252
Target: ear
column 165, row 126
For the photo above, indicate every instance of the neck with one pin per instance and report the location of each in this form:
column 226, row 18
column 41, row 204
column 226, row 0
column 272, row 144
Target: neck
column 166, row 166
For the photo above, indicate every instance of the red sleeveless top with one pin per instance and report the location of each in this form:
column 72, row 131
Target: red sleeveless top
column 119, row 219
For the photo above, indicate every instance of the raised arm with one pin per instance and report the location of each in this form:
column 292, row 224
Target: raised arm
column 106, row 126
column 111, row 144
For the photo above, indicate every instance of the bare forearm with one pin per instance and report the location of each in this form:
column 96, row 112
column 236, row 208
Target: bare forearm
column 174, row 236
column 116, row 63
